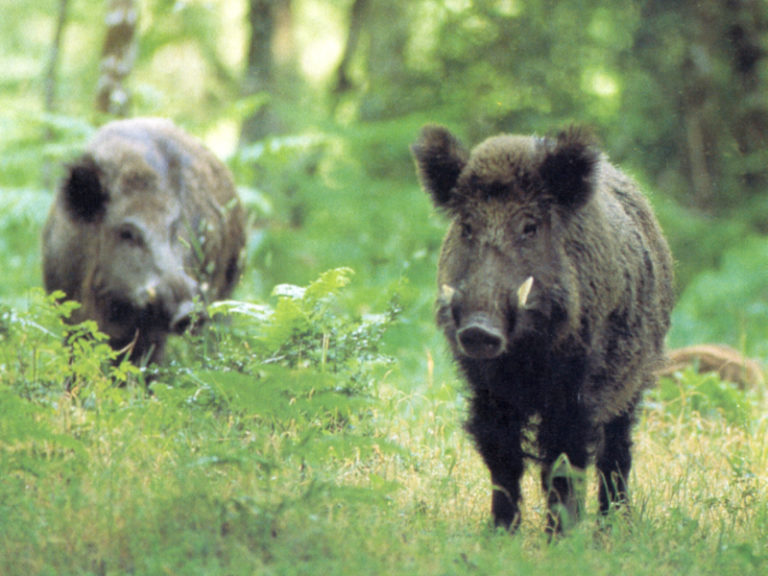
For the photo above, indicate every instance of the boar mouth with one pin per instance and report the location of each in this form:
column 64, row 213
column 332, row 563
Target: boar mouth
column 150, row 318
column 122, row 313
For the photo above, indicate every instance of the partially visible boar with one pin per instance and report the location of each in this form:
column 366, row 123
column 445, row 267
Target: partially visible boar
column 145, row 222
column 727, row 362
column 555, row 291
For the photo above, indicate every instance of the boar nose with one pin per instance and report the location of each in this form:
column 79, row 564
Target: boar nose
column 182, row 310
column 480, row 338
column 182, row 319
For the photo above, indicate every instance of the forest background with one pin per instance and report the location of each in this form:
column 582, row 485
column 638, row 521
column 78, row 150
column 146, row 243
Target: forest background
column 313, row 105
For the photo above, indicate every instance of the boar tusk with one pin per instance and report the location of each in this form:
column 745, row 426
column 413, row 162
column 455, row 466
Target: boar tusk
column 151, row 294
column 524, row 291
column 447, row 292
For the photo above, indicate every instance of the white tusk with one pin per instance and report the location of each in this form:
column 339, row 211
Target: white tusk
column 151, row 294
column 524, row 291
column 447, row 292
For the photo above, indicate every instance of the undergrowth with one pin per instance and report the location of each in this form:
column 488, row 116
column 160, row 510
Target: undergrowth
column 277, row 441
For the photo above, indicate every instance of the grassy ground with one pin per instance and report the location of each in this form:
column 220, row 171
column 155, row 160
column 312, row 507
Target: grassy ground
column 345, row 455
column 173, row 484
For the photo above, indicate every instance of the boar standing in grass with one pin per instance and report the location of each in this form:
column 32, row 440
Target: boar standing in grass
column 145, row 224
column 555, row 291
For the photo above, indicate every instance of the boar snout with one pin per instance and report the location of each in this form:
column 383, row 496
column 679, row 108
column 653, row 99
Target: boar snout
column 182, row 320
column 481, row 338
column 169, row 303
column 479, row 333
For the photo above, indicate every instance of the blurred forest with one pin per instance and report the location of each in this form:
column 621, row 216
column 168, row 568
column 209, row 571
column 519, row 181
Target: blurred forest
column 313, row 104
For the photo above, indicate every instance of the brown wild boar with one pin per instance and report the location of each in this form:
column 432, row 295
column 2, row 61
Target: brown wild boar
column 727, row 362
column 145, row 222
column 555, row 290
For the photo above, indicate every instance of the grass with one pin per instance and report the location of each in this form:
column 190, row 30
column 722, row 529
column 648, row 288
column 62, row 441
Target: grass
column 323, row 433
column 226, row 473
column 156, row 488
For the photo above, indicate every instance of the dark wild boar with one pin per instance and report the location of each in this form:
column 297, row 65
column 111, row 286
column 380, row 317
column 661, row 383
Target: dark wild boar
column 555, row 290
column 145, row 222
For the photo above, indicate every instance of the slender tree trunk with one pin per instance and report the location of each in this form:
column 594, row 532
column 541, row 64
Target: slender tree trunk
column 117, row 58
column 746, row 33
column 53, row 58
column 388, row 29
column 356, row 20
column 699, row 93
column 49, row 84
column 260, row 66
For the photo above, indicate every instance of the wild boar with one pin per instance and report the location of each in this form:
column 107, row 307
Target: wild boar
column 728, row 363
column 144, row 224
column 555, row 291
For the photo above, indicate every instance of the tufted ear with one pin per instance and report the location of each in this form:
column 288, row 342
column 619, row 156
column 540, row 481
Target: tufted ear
column 440, row 158
column 569, row 170
column 84, row 196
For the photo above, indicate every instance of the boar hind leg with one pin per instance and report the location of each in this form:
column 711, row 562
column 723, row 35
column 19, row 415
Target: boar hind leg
column 614, row 461
column 498, row 440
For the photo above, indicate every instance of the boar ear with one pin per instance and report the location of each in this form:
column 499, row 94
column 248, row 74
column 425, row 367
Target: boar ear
column 569, row 169
column 440, row 158
column 84, row 195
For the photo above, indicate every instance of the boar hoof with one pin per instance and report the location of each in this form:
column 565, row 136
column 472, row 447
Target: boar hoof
column 481, row 341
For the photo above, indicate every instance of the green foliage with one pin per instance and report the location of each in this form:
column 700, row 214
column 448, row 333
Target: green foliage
column 286, row 395
column 307, row 329
column 728, row 304
column 21, row 218
column 40, row 353
column 705, row 395
column 697, row 241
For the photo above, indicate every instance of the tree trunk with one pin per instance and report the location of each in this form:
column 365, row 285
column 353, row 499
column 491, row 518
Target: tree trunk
column 746, row 32
column 260, row 68
column 49, row 83
column 708, row 64
column 356, row 20
column 388, row 30
column 117, row 58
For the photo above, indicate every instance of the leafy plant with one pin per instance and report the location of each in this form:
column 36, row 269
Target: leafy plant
column 302, row 359
column 728, row 304
column 41, row 355
column 307, row 328
column 690, row 393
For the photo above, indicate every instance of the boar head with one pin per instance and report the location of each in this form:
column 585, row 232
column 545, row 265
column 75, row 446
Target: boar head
column 136, row 284
column 505, row 272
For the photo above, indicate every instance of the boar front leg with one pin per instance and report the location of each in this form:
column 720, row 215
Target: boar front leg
column 564, row 436
column 564, row 482
column 497, row 436
column 614, row 461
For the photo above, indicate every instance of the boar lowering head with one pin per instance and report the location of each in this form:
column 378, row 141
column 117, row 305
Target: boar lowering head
column 145, row 224
column 554, row 293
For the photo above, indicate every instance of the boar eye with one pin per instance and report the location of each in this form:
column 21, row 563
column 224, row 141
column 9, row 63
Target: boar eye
column 130, row 234
column 466, row 231
column 529, row 230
